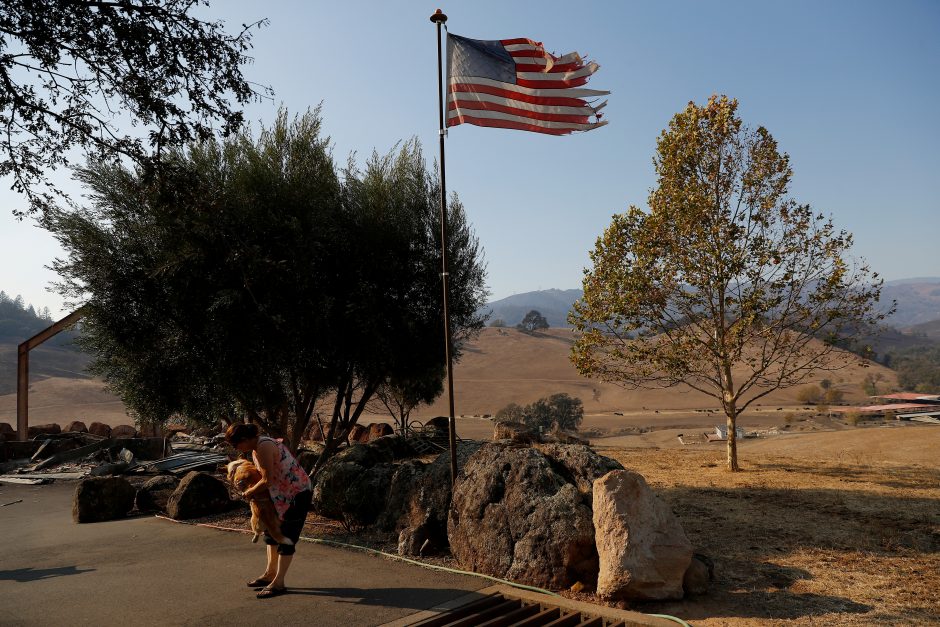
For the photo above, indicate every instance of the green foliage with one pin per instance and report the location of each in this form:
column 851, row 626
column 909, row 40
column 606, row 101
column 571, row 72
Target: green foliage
column 67, row 66
column 918, row 368
column 725, row 284
column 561, row 409
column 250, row 280
column 532, row 321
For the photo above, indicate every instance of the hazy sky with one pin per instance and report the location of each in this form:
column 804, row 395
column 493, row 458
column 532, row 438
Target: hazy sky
column 849, row 89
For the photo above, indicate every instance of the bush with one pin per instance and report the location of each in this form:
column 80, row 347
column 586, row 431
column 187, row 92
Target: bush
column 561, row 409
column 810, row 394
column 510, row 413
column 833, row 396
column 852, row 417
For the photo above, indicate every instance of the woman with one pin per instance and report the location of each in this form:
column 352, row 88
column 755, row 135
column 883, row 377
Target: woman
column 289, row 487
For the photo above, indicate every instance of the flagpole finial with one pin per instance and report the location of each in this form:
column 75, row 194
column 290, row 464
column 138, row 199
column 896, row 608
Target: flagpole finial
column 438, row 17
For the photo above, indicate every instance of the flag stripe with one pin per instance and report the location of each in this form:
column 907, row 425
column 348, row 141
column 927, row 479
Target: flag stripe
column 538, row 114
column 516, row 84
column 462, row 88
column 544, row 93
column 577, row 109
column 498, row 115
column 519, row 126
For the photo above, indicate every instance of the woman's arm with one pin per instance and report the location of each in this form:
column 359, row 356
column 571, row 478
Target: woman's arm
column 265, row 453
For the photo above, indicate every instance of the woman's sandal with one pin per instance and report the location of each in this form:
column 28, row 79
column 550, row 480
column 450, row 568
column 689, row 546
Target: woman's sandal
column 260, row 582
column 267, row 593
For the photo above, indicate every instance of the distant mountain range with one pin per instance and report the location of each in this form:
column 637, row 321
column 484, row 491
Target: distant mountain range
column 918, row 302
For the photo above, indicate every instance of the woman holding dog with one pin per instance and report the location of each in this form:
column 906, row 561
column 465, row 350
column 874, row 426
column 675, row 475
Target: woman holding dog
column 289, row 487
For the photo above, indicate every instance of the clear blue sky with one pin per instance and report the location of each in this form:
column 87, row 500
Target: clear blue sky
column 851, row 90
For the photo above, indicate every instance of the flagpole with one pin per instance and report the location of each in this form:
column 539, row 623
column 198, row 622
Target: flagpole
column 439, row 19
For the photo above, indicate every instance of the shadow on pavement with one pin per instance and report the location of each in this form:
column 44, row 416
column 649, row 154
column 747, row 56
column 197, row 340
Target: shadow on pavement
column 35, row 574
column 408, row 598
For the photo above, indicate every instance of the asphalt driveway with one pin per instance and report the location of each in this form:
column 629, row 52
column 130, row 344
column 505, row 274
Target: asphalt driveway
column 146, row 571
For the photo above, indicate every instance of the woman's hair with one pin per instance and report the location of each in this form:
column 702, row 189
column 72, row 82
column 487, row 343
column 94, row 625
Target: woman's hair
column 239, row 432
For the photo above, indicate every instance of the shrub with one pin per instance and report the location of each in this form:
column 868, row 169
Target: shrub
column 510, row 413
column 833, row 396
column 810, row 394
column 852, row 417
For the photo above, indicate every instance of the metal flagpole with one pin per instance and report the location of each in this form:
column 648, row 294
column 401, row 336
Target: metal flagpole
column 439, row 18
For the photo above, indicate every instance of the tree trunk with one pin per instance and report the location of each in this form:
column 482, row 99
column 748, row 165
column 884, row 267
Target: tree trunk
column 732, row 441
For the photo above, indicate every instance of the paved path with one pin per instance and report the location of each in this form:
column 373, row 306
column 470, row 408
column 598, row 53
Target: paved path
column 146, row 571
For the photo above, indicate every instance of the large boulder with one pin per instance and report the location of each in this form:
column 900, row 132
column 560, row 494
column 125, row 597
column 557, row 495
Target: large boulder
column 100, row 429
column 514, row 516
column 198, row 494
column 579, row 464
column 353, row 485
column 8, row 431
column 154, row 494
column 123, row 431
column 424, row 506
column 76, row 426
column 102, row 498
column 308, row 456
column 643, row 550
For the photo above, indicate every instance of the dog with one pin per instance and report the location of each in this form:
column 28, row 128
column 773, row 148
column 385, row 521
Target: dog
column 243, row 474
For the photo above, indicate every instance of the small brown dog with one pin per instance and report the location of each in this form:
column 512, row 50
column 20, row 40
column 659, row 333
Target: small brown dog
column 243, row 474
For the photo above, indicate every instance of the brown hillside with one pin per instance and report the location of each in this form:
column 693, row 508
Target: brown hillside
column 502, row 366
column 508, row 366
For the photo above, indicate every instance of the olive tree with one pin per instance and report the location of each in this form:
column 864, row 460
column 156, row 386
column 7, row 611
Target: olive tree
column 725, row 284
column 251, row 281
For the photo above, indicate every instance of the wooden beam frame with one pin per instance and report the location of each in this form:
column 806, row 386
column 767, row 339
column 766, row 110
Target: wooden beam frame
column 22, row 369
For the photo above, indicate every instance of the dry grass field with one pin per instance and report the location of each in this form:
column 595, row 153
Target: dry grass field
column 809, row 537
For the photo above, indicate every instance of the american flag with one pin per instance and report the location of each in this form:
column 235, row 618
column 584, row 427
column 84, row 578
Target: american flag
column 514, row 83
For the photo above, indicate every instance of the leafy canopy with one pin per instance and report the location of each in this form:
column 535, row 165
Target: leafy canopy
column 73, row 73
column 251, row 279
column 726, row 284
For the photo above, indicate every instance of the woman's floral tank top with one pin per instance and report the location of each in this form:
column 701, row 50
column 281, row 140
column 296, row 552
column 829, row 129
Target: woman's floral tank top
column 289, row 478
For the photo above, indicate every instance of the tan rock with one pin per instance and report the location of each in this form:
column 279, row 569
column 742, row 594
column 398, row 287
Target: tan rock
column 379, row 429
column 643, row 551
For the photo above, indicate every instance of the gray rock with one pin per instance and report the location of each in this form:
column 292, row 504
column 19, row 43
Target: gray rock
column 580, row 464
column 154, row 494
column 643, row 550
column 198, row 494
column 102, row 498
column 513, row 516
